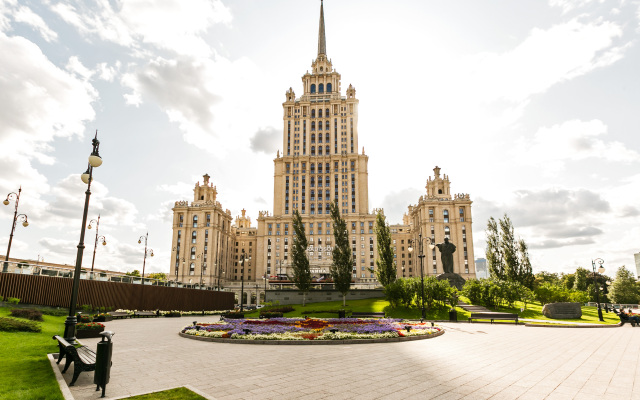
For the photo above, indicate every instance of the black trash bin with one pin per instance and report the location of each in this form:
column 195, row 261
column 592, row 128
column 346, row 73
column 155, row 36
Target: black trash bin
column 453, row 315
column 103, row 361
column 341, row 314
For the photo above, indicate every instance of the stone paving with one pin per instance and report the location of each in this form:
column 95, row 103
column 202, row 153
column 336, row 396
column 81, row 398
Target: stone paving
column 471, row 361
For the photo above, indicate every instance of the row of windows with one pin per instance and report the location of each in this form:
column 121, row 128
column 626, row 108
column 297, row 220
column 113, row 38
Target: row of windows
column 320, row 90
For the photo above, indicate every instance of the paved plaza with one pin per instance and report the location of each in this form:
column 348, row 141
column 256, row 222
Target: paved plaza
column 471, row 361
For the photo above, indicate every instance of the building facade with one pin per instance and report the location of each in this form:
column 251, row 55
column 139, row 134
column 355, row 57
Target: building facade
column 320, row 163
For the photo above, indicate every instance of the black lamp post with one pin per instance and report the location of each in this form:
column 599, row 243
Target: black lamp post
column 95, row 244
column 598, row 261
column 266, row 278
column 148, row 252
column 202, row 267
column 25, row 223
column 70, row 323
column 243, row 257
column 421, row 256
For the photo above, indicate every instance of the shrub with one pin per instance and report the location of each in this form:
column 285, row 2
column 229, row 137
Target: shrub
column 28, row 313
column 233, row 314
column 12, row 300
column 84, row 318
column 88, row 308
column 55, row 312
column 271, row 314
column 282, row 309
column 16, row 325
column 93, row 326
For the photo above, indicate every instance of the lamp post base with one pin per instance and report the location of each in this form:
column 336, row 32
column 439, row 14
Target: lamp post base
column 70, row 329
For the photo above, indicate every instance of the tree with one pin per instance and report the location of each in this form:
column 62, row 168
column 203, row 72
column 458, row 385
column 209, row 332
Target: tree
column 545, row 277
column 494, row 251
column 300, row 264
column 341, row 266
column 507, row 258
column 580, row 279
column 386, row 272
column 161, row 276
column 135, row 272
column 623, row 290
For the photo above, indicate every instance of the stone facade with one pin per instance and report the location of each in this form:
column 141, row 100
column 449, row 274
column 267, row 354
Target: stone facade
column 320, row 163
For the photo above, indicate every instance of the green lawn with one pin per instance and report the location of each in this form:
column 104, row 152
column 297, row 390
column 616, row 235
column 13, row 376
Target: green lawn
column 366, row 305
column 171, row 394
column 534, row 311
column 25, row 371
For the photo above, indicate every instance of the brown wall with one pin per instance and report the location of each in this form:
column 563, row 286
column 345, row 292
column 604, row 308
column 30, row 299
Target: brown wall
column 56, row 292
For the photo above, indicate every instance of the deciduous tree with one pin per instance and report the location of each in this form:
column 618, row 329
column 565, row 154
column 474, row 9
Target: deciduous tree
column 341, row 267
column 300, row 263
column 386, row 272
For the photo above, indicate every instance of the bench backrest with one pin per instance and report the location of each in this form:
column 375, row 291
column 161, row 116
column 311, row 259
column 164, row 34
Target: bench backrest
column 68, row 347
column 493, row 315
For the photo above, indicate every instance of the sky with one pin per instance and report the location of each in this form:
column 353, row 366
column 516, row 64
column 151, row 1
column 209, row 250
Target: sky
column 531, row 107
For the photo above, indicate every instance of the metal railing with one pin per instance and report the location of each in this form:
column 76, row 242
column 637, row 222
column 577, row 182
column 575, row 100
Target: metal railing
column 12, row 267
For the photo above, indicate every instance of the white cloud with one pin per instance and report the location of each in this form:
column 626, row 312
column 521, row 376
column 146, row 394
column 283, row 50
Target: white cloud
column 573, row 140
column 568, row 5
column 38, row 101
column 172, row 25
column 27, row 16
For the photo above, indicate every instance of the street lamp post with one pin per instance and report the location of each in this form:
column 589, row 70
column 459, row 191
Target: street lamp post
column 25, row 223
column 95, row 244
column 265, row 278
column 243, row 257
column 598, row 261
column 94, row 161
column 202, row 267
column 421, row 256
column 146, row 252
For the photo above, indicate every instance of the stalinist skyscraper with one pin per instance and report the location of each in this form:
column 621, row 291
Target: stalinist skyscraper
column 319, row 163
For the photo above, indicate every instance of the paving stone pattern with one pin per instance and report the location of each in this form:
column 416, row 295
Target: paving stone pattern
column 471, row 361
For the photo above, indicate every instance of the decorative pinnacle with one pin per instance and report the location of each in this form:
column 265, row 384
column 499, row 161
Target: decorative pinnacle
column 322, row 43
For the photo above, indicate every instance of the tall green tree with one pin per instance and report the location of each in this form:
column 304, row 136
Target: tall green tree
column 507, row 257
column 300, row 261
column 494, row 251
column 581, row 278
column 341, row 266
column 387, row 271
column 624, row 290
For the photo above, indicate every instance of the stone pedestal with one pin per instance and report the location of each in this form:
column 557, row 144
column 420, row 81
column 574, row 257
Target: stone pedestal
column 562, row 310
column 454, row 279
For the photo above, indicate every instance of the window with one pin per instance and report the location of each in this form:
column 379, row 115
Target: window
column 321, row 88
column 193, row 253
column 195, row 221
column 445, row 214
column 193, row 236
column 328, row 91
column 313, row 90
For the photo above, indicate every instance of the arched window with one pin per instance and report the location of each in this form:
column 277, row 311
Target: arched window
column 461, row 210
column 313, row 113
column 447, row 232
column 320, row 113
column 192, row 269
column 327, row 110
column 328, row 88
column 319, row 125
column 193, row 253
column 327, row 207
column 313, row 88
column 319, row 168
column 195, row 221
column 326, row 150
column 320, row 153
column 327, row 128
column 312, row 168
column 313, row 150
column 313, row 135
column 313, row 211
column 193, row 237
column 321, row 88
column 319, row 208
column 313, row 126
column 445, row 214
column 327, row 194
column 313, row 195
column 313, row 180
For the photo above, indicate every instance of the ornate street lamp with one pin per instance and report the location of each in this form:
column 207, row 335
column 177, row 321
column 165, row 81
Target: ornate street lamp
column 148, row 252
column 16, row 216
column 243, row 258
column 598, row 261
column 202, row 267
column 95, row 244
column 70, row 323
column 265, row 278
column 421, row 256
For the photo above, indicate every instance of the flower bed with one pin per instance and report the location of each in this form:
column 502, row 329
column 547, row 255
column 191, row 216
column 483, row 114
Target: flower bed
column 299, row 329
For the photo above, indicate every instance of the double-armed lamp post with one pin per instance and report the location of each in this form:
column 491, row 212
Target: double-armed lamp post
column 16, row 216
column 94, row 161
column 421, row 256
column 596, row 287
column 148, row 252
column 95, row 244
column 243, row 258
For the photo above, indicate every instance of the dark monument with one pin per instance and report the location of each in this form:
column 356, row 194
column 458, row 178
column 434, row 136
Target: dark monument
column 446, row 255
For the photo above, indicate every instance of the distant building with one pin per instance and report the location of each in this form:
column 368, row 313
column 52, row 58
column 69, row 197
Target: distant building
column 637, row 258
column 481, row 268
column 320, row 163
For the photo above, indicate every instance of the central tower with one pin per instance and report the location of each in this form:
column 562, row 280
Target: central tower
column 319, row 164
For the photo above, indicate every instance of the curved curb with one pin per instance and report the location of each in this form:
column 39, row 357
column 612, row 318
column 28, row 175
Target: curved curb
column 571, row 326
column 313, row 342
